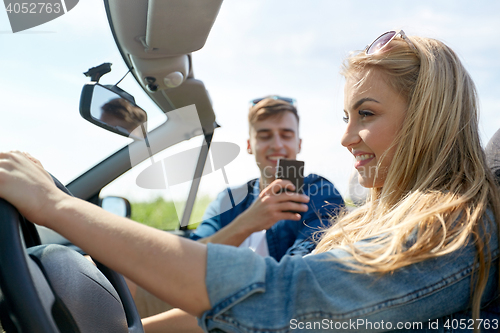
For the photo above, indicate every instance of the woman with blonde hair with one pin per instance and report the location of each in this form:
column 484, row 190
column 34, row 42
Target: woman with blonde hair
column 421, row 254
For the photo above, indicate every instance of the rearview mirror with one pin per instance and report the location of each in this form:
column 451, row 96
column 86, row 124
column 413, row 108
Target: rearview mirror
column 113, row 109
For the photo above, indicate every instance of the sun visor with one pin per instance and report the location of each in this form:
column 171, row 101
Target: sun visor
column 177, row 27
column 162, row 28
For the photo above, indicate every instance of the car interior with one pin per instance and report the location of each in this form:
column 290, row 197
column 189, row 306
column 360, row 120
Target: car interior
column 50, row 286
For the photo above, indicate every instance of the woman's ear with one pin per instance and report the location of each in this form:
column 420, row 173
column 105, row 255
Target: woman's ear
column 249, row 148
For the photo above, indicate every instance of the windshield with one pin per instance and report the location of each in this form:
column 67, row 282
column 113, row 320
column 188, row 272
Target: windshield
column 255, row 48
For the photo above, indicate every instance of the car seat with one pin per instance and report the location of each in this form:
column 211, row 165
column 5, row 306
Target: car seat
column 493, row 155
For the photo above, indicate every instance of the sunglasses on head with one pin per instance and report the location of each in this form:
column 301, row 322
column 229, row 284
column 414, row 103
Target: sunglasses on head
column 383, row 40
column 279, row 98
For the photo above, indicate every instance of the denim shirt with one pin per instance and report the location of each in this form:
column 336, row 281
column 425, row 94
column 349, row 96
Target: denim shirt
column 315, row 293
column 286, row 236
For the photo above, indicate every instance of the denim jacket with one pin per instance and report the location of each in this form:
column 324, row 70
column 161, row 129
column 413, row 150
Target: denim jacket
column 316, row 293
column 286, row 236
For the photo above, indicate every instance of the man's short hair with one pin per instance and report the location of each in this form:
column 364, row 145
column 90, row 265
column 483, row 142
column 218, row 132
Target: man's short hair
column 123, row 109
column 270, row 107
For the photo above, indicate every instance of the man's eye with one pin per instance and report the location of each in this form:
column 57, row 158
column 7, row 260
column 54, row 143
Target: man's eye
column 345, row 119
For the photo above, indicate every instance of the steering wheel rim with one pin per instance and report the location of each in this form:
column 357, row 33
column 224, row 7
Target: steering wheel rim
column 19, row 292
column 26, row 297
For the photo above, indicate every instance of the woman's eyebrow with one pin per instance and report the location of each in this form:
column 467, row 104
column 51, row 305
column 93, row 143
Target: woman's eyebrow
column 361, row 101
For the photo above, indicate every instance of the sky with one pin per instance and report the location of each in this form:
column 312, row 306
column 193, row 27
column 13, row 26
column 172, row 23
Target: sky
column 256, row 48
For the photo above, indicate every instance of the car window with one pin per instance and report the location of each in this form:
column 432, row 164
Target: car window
column 163, row 207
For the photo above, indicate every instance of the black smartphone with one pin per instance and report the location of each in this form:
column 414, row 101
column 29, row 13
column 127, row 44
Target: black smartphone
column 293, row 171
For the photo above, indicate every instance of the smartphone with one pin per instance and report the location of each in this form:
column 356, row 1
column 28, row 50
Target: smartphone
column 293, row 171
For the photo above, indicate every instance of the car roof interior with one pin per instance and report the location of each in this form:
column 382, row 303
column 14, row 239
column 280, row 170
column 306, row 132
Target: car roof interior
column 156, row 38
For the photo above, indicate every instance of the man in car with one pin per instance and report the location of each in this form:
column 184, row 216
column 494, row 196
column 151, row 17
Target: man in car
column 258, row 215
column 122, row 114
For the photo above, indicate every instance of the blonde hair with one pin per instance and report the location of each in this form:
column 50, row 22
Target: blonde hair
column 438, row 187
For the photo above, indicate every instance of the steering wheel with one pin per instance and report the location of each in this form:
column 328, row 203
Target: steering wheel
column 52, row 288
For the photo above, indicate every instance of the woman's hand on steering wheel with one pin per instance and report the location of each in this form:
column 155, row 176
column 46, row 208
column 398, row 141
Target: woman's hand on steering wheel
column 26, row 185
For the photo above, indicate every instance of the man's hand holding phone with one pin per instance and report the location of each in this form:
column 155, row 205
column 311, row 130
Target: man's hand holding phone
column 278, row 201
column 274, row 204
column 293, row 171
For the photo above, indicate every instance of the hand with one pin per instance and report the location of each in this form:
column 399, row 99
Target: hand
column 274, row 204
column 34, row 160
column 26, row 185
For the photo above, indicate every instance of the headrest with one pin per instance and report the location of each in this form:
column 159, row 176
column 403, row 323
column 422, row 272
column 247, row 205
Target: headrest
column 493, row 155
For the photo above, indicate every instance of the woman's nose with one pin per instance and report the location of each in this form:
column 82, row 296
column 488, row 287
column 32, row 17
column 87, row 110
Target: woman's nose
column 351, row 136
